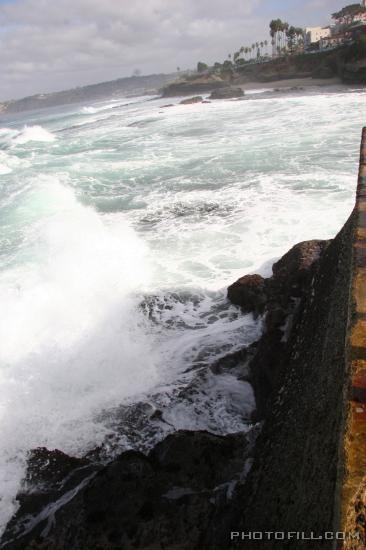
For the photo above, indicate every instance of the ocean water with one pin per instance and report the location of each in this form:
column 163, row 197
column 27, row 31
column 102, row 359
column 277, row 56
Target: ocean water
column 122, row 224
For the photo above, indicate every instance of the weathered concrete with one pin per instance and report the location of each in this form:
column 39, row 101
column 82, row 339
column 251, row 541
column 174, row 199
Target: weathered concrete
column 353, row 495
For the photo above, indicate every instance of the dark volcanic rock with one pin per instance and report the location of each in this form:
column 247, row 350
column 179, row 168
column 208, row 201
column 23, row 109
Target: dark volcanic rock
column 278, row 299
column 249, row 292
column 292, row 271
column 50, row 476
column 227, row 93
column 173, row 498
column 194, row 86
column 190, row 100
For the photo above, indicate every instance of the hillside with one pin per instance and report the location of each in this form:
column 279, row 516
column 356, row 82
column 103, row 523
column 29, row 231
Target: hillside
column 122, row 86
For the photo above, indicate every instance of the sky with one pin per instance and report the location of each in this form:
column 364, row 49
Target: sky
column 50, row 45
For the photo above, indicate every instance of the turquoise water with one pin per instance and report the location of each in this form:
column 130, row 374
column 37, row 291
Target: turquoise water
column 122, row 223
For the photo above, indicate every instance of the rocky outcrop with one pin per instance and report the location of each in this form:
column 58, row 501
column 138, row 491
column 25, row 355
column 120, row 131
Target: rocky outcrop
column 190, row 100
column 227, row 93
column 195, row 85
column 172, row 498
column 317, row 65
column 277, row 298
column 354, row 72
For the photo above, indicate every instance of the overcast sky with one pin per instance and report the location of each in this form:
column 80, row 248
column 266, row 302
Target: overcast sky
column 49, row 45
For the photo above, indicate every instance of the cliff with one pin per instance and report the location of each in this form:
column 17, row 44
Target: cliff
column 347, row 63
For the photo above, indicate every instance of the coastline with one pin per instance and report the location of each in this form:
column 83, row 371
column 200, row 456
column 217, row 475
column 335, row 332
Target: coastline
column 292, row 82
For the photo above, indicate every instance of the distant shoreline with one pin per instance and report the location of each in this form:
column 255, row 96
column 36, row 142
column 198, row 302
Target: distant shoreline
column 291, row 83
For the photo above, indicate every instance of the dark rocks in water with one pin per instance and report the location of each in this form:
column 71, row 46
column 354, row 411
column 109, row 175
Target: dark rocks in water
column 249, row 292
column 173, row 498
column 190, row 100
column 167, row 105
column 276, row 298
column 197, row 85
column 227, row 93
column 50, row 476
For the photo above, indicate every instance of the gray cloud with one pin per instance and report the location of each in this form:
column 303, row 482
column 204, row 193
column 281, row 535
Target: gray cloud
column 47, row 46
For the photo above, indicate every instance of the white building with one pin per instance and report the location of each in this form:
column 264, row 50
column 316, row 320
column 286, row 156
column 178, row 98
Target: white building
column 315, row 34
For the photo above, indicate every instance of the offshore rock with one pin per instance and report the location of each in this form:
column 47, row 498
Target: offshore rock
column 195, row 85
column 227, row 93
column 190, row 100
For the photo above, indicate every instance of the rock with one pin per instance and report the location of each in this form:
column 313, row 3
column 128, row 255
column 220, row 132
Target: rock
column 274, row 298
column 189, row 101
column 354, row 72
column 292, row 270
column 166, row 106
column 249, row 292
column 173, row 498
column 50, row 475
column 227, row 93
column 202, row 84
column 324, row 71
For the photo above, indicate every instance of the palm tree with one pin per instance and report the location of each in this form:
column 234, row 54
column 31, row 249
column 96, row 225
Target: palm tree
column 266, row 45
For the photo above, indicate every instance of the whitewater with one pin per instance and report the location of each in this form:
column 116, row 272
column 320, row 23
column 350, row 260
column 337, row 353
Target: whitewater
column 122, row 224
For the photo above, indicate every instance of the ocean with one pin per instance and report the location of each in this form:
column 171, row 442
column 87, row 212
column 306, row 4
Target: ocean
column 122, row 224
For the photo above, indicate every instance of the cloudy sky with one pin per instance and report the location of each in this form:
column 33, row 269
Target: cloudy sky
column 48, row 45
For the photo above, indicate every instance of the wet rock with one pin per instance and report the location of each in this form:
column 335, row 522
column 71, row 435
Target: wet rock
column 173, row 498
column 196, row 85
column 292, row 271
column 190, row 100
column 249, row 292
column 277, row 299
column 227, row 93
column 49, row 477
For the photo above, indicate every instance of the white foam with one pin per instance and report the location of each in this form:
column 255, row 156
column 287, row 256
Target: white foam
column 33, row 133
column 73, row 341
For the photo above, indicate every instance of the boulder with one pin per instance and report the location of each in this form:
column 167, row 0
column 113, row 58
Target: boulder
column 173, row 498
column 249, row 292
column 190, row 100
column 291, row 271
column 193, row 86
column 227, row 93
